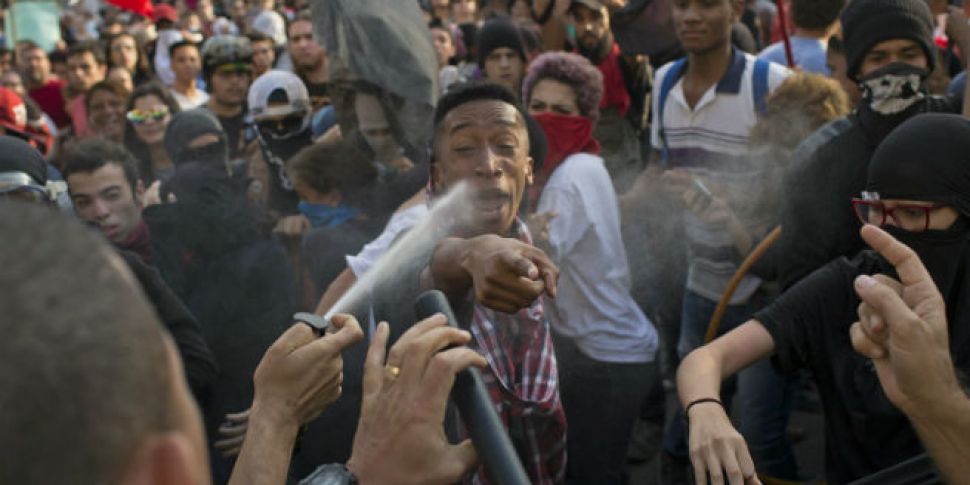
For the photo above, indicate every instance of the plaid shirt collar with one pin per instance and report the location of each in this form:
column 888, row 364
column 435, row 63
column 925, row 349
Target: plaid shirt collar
column 523, row 382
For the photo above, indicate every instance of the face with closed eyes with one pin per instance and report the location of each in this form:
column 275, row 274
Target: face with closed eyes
column 485, row 143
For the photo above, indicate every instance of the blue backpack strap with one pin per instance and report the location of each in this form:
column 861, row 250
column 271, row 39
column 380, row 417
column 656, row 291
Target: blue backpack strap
column 670, row 80
column 759, row 85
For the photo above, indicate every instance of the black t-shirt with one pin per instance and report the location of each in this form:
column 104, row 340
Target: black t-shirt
column 233, row 127
column 864, row 432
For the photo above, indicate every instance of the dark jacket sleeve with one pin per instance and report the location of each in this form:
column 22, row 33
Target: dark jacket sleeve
column 817, row 219
column 638, row 79
column 200, row 366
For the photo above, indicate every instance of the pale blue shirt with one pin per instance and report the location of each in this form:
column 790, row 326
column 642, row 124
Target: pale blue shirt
column 809, row 54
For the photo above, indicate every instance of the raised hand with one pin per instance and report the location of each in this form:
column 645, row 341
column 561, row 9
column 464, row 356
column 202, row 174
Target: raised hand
column 400, row 436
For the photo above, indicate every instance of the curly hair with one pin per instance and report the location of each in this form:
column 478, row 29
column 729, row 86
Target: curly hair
column 572, row 70
column 799, row 106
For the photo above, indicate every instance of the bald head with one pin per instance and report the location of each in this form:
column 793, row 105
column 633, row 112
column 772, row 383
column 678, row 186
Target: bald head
column 84, row 374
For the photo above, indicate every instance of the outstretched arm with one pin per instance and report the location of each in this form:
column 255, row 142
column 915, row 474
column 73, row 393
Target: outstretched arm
column 716, row 448
column 505, row 274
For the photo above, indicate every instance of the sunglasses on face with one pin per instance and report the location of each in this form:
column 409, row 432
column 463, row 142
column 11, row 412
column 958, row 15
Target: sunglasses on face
column 281, row 127
column 137, row 116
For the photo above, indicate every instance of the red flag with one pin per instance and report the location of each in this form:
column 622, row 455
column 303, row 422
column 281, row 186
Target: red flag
column 141, row 7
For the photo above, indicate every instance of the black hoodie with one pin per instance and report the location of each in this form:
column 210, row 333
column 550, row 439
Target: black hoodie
column 828, row 169
column 237, row 282
column 925, row 159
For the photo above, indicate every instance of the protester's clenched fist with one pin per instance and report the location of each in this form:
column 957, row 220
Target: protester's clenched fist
column 301, row 373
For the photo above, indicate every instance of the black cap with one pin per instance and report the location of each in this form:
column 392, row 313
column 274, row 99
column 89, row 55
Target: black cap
column 866, row 23
column 925, row 158
column 18, row 156
column 496, row 33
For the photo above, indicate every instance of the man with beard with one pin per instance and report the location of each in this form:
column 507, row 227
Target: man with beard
column 890, row 52
column 227, row 64
column 626, row 83
column 46, row 90
column 309, row 59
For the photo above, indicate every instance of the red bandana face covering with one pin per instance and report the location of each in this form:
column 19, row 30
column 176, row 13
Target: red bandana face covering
column 565, row 136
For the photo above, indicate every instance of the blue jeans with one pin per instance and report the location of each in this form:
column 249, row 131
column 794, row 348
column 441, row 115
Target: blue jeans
column 764, row 396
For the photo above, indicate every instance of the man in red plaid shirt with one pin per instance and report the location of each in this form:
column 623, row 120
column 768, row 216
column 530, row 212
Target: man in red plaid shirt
column 493, row 274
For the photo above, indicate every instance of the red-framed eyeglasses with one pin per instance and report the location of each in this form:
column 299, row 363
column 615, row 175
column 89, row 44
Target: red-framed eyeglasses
column 911, row 217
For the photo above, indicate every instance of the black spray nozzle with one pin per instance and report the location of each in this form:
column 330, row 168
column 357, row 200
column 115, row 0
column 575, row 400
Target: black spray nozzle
column 495, row 450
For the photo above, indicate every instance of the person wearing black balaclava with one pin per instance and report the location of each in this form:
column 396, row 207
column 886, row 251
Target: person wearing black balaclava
column 196, row 136
column 918, row 191
column 890, row 53
column 237, row 281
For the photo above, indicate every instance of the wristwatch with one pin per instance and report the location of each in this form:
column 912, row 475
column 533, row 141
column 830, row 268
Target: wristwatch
column 330, row 474
column 316, row 322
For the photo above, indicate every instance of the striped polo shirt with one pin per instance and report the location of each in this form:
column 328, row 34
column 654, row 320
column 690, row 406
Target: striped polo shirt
column 711, row 141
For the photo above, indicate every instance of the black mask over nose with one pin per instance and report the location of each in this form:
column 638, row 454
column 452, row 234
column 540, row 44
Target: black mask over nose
column 927, row 158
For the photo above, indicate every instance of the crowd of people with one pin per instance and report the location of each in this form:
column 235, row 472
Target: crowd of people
column 215, row 219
